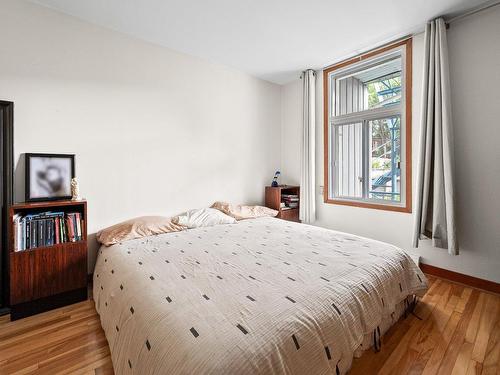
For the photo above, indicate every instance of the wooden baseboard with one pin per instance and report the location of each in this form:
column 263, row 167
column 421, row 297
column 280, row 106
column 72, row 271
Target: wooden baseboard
column 475, row 282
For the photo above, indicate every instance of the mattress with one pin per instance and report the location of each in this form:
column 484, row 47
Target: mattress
column 262, row 296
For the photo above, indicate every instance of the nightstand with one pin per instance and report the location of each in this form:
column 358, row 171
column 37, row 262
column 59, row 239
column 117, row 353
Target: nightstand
column 276, row 195
column 50, row 271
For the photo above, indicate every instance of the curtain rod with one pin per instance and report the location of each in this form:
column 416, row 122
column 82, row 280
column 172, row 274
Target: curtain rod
column 478, row 9
column 475, row 10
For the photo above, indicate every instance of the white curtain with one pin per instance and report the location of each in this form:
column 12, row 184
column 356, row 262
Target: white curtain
column 435, row 209
column 307, row 212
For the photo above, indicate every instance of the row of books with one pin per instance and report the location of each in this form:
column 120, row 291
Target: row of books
column 46, row 229
column 290, row 200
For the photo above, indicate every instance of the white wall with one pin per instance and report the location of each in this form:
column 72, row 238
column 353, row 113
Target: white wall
column 157, row 132
column 154, row 131
column 475, row 76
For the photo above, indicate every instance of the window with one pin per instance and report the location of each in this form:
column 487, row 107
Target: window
column 368, row 130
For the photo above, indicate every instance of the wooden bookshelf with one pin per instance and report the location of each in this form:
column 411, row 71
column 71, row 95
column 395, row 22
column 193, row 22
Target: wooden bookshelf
column 47, row 277
column 274, row 199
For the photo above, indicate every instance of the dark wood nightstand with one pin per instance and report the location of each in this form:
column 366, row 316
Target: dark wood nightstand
column 46, row 277
column 276, row 195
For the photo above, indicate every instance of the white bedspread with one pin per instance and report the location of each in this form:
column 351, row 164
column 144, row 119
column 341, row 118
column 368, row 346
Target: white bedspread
column 261, row 296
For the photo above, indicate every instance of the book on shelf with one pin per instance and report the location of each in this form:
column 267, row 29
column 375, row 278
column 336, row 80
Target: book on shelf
column 290, row 200
column 46, row 229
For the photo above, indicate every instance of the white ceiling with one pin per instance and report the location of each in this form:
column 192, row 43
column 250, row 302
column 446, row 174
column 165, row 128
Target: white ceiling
column 270, row 39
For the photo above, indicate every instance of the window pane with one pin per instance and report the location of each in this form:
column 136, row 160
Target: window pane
column 351, row 96
column 385, row 90
column 349, row 160
column 371, row 87
column 385, row 159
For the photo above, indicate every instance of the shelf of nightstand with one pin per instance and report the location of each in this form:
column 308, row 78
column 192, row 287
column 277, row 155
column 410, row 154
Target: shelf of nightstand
column 57, row 245
column 274, row 198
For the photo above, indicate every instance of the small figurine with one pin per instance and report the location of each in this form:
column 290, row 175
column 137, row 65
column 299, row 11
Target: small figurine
column 75, row 190
column 275, row 179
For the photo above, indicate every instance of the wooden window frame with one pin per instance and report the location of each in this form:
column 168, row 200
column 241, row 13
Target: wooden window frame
column 407, row 207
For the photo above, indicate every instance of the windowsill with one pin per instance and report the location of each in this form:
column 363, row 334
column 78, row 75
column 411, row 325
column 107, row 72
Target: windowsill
column 373, row 205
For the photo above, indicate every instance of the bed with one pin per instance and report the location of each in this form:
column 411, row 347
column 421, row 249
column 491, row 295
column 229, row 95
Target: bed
column 262, row 296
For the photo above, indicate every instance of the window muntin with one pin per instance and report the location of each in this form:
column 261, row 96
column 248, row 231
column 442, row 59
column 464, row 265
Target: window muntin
column 367, row 159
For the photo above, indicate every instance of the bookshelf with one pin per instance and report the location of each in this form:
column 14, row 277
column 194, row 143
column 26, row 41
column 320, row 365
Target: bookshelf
column 47, row 277
column 274, row 197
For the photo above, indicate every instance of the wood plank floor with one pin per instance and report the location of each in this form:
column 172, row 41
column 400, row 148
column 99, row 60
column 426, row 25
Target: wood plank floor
column 459, row 333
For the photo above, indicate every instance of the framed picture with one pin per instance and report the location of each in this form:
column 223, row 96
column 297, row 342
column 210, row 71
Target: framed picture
column 48, row 176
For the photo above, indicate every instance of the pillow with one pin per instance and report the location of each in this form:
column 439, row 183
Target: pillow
column 137, row 228
column 240, row 212
column 204, row 217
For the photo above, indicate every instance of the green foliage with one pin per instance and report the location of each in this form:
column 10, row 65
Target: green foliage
column 374, row 87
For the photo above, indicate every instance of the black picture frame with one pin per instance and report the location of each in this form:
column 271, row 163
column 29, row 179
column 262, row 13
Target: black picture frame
column 28, row 171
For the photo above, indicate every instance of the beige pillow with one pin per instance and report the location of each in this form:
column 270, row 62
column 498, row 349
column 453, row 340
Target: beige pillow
column 240, row 212
column 137, row 228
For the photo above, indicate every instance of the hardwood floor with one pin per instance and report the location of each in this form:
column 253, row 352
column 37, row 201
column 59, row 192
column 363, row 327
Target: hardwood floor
column 459, row 333
column 68, row 340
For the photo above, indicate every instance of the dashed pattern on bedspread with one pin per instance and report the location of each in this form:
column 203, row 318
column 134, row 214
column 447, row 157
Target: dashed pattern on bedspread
column 259, row 296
